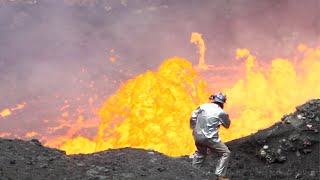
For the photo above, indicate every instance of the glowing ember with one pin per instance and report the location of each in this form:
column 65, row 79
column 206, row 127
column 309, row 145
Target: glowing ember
column 31, row 134
column 19, row 106
column 112, row 57
column 5, row 112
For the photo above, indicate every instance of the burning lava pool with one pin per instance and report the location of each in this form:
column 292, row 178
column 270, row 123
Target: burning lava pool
column 152, row 110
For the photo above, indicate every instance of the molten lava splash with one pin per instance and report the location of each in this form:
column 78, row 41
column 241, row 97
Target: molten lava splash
column 7, row 112
column 265, row 94
column 197, row 39
column 151, row 111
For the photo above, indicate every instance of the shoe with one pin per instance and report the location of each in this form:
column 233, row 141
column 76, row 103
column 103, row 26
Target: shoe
column 222, row 178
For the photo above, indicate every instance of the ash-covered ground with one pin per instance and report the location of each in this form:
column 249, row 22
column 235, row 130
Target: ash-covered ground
column 287, row 150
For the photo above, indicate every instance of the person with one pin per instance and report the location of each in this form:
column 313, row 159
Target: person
column 205, row 122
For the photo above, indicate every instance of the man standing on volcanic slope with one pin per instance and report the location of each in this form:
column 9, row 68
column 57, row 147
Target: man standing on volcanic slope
column 205, row 123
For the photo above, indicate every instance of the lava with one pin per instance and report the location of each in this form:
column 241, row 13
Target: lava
column 8, row 111
column 5, row 112
column 151, row 111
column 197, row 39
column 265, row 94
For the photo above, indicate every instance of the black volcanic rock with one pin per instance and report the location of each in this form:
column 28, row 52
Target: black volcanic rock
column 287, row 150
column 25, row 160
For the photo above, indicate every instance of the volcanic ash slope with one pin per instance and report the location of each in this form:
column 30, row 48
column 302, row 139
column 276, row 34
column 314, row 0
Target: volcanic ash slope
column 287, row 150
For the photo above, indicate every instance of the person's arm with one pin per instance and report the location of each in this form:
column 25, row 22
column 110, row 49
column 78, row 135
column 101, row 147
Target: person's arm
column 225, row 120
column 193, row 118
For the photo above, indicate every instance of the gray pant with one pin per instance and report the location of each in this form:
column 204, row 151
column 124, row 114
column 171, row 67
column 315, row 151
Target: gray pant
column 219, row 147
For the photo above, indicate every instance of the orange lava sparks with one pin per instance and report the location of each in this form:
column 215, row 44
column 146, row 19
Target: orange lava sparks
column 197, row 39
column 7, row 112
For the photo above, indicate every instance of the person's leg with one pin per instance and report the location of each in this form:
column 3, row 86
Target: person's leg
column 224, row 152
column 199, row 156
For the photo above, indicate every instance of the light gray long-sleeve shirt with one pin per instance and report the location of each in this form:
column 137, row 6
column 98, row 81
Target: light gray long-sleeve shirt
column 206, row 120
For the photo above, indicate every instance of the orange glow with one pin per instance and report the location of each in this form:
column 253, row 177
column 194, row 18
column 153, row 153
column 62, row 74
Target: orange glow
column 79, row 145
column 5, row 112
column 197, row 39
column 19, row 106
column 112, row 59
column 9, row 134
column 80, row 119
column 31, row 134
column 65, row 114
column 72, row 130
